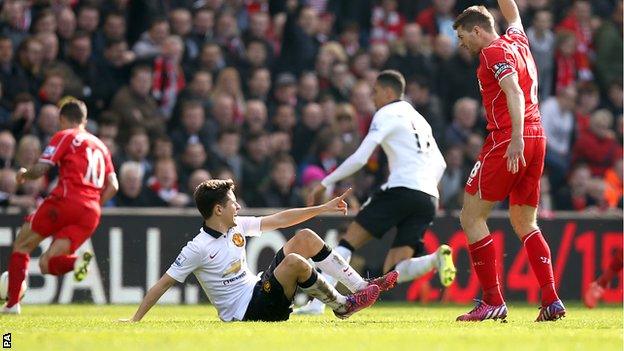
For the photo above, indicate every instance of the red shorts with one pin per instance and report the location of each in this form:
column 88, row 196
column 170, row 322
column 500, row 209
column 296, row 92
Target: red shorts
column 491, row 179
column 64, row 218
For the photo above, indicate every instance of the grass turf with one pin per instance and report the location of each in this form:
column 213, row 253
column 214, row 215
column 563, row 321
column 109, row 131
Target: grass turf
column 386, row 326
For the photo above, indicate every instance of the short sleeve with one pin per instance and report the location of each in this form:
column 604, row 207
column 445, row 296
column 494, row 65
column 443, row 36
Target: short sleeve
column 499, row 62
column 518, row 35
column 381, row 126
column 250, row 226
column 56, row 149
column 187, row 261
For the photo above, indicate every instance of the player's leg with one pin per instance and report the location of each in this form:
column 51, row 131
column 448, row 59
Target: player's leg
column 308, row 244
column 524, row 221
column 27, row 240
column 474, row 214
column 523, row 201
column 407, row 254
column 60, row 258
column 295, row 271
column 596, row 289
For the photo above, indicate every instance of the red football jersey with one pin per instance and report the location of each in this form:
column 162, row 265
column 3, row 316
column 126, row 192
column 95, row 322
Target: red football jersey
column 508, row 54
column 84, row 164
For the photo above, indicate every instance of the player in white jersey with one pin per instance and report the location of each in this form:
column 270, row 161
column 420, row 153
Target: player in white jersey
column 409, row 199
column 217, row 258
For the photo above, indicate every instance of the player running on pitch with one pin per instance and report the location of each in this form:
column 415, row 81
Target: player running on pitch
column 511, row 161
column 408, row 201
column 217, row 258
column 71, row 212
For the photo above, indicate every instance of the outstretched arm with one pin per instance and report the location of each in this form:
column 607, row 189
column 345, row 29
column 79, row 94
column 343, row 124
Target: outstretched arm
column 152, row 296
column 509, row 9
column 36, row 171
column 294, row 216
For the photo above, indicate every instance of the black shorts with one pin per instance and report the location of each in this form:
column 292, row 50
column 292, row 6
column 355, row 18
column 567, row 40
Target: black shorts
column 410, row 211
column 268, row 302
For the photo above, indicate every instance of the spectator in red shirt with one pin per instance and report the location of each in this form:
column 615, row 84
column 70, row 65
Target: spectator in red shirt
column 588, row 101
column 387, row 22
column 579, row 22
column 438, row 18
column 597, row 147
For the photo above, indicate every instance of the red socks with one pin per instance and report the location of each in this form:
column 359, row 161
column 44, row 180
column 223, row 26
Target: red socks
column 615, row 266
column 483, row 257
column 59, row 265
column 539, row 257
column 18, row 265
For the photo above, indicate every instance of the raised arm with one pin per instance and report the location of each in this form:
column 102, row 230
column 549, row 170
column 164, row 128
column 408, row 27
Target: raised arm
column 152, row 296
column 294, row 216
column 515, row 103
column 36, row 171
column 509, row 9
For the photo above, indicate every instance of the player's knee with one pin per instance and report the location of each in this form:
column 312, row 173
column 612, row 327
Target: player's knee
column 522, row 226
column 466, row 219
column 43, row 264
column 296, row 263
column 307, row 236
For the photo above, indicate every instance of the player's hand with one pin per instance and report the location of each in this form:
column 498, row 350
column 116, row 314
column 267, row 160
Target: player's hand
column 338, row 204
column 316, row 195
column 515, row 153
column 19, row 177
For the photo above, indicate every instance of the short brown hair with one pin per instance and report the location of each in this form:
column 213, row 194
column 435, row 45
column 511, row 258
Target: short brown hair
column 73, row 110
column 211, row 192
column 475, row 16
column 392, row 79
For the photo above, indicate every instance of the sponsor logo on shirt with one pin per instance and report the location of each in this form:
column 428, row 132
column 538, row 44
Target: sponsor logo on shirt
column 180, row 260
column 49, row 151
column 238, row 239
column 513, row 30
column 500, row 68
column 233, row 268
column 232, row 280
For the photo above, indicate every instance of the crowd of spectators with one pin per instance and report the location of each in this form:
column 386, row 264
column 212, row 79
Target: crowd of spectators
column 275, row 94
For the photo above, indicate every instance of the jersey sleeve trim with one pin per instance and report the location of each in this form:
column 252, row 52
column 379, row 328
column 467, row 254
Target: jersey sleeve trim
column 45, row 160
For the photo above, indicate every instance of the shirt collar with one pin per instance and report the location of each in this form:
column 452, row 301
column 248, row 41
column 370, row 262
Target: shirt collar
column 213, row 233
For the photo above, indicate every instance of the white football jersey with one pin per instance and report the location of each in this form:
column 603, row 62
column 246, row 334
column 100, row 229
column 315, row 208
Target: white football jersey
column 220, row 264
column 414, row 159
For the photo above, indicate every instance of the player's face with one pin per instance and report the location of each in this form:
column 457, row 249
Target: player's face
column 230, row 209
column 379, row 96
column 469, row 40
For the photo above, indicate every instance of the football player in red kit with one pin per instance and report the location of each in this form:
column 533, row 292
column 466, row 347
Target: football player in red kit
column 512, row 159
column 71, row 212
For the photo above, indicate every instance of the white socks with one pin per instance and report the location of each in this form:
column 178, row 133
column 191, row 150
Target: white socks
column 333, row 264
column 413, row 268
column 317, row 287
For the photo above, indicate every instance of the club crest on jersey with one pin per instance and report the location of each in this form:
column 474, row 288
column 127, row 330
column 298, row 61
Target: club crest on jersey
column 500, row 68
column 49, row 151
column 238, row 239
column 266, row 286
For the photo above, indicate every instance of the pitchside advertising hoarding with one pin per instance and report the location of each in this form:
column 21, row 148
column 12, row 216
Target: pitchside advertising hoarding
column 133, row 248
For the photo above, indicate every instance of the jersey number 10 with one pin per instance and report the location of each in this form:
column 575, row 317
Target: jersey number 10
column 96, row 167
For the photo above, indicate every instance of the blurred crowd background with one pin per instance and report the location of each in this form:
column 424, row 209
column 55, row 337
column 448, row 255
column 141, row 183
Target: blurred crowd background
column 275, row 94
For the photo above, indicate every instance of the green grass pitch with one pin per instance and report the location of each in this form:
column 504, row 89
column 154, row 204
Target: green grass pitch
column 386, row 326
